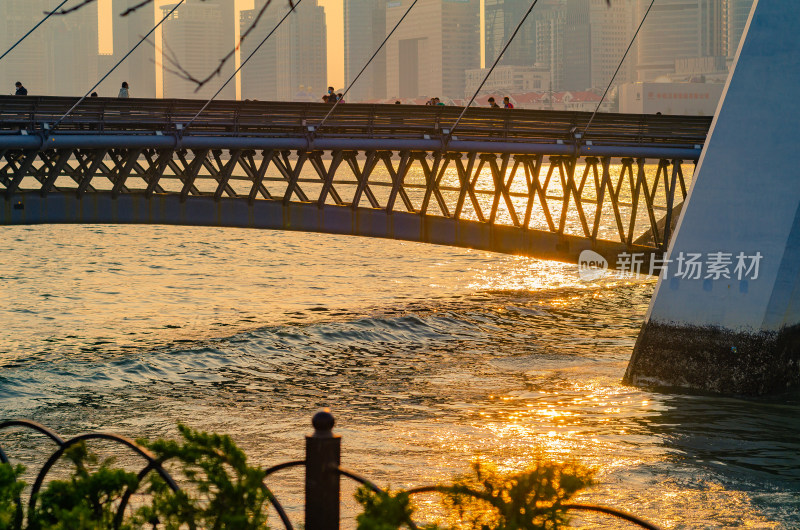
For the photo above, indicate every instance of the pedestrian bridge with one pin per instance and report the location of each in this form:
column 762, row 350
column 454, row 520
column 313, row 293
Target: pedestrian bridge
column 528, row 182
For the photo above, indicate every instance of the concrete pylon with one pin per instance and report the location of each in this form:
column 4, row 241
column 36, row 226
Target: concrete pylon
column 725, row 316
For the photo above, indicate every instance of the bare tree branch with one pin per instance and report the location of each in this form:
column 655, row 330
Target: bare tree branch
column 170, row 56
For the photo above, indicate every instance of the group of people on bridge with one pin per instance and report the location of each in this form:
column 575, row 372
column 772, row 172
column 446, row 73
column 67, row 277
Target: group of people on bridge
column 124, row 91
column 330, row 97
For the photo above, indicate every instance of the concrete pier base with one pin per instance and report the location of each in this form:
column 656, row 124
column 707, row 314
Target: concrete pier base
column 730, row 324
column 715, row 360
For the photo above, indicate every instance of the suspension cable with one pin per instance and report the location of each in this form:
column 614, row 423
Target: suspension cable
column 618, row 67
column 486, row 77
column 368, row 62
column 118, row 63
column 49, row 14
column 293, row 5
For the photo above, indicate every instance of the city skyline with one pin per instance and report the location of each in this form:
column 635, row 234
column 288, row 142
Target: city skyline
column 565, row 45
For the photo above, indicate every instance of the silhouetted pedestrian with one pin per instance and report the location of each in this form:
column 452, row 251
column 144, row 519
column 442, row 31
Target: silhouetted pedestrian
column 123, row 91
column 94, row 94
column 507, row 103
column 340, row 98
column 21, row 90
column 492, row 103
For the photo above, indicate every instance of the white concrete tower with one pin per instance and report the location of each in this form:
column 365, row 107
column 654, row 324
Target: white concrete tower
column 732, row 323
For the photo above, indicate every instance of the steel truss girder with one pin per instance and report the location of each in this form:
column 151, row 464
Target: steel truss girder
column 596, row 198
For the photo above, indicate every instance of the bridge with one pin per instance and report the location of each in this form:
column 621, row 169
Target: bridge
column 535, row 183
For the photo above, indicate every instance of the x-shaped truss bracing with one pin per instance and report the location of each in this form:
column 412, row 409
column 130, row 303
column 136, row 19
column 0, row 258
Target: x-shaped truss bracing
column 628, row 203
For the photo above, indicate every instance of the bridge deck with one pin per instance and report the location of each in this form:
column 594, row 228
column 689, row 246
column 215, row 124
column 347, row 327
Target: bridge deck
column 254, row 119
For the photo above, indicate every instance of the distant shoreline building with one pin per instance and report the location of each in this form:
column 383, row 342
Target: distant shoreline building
column 691, row 99
column 196, row 36
column 60, row 59
column 596, row 36
column 432, row 48
column 292, row 64
column 508, row 79
column 139, row 69
column 501, row 18
column 364, row 31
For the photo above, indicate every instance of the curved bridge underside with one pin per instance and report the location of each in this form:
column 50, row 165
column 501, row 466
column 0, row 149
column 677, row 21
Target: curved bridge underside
column 103, row 208
column 549, row 194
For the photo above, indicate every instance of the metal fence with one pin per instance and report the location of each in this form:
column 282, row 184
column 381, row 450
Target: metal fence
column 323, row 473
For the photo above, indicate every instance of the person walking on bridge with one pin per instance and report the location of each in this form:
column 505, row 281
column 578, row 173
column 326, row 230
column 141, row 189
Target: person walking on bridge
column 507, row 103
column 21, row 90
column 123, row 91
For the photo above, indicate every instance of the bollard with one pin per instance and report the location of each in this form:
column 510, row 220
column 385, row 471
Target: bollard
column 323, row 455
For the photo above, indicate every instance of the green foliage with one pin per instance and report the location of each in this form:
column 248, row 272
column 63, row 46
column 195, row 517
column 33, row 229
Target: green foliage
column 487, row 500
column 529, row 500
column 383, row 510
column 10, row 489
column 225, row 492
column 221, row 491
column 88, row 500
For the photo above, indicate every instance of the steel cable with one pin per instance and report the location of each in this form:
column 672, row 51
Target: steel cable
column 368, row 62
column 118, row 63
column 49, row 14
column 618, row 67
column 295, row 4
column 497, row 60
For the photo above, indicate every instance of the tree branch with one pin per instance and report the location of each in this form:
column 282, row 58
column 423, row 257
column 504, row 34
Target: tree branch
column 170, row 57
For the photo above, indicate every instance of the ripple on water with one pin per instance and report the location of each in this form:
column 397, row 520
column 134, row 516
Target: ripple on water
column 428, row 356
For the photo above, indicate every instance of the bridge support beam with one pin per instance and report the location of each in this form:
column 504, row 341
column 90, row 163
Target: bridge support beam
column 725, row 317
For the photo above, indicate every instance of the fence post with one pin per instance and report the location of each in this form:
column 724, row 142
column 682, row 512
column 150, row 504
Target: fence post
column 323, row 455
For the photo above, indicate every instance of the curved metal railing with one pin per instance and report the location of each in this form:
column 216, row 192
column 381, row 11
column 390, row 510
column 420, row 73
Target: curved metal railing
column 322, row 449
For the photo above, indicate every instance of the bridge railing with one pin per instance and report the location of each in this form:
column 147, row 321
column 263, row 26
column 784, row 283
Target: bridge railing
column 282, row 119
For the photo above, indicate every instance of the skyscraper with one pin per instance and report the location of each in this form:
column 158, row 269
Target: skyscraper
column 501, row 18
column 550, row 24
column 194, row 38
column 139, row 69
column 430, row 51
column 60, row 58
column 596, row 36
column 677, row 29
column 292, row 64
column 73, row 52
column 736, row 14
column 364, row 30
column 29, row 62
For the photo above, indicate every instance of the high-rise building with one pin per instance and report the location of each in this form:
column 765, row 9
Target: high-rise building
column 501, row 18
column 29, row 63
column 74, row 52
column 139, row 69
column 678, row 29
column 713, row 39
column 432, row 48
column 550, row 26
column 195, row 37
column 59, row 58
column 364, row 31
column 596, row 36
column 292, row 64
column 736, row 14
